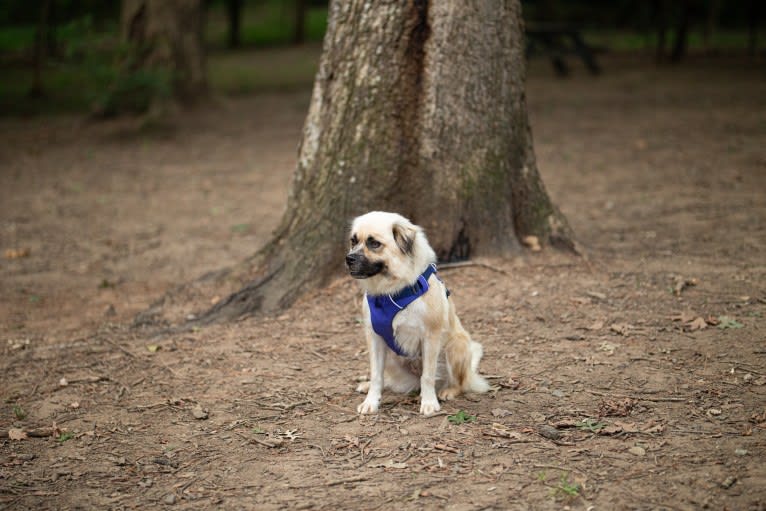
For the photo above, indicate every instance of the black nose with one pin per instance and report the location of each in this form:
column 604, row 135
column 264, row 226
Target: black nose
column 351, row 259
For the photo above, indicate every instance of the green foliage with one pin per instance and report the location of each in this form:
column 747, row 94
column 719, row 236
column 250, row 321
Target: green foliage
column 265, row 23
column 567, row 488
column 726, row 323
column 591, row 425
column 19, row 412
column 65, row 436
column 134, row 92
column 461, row 417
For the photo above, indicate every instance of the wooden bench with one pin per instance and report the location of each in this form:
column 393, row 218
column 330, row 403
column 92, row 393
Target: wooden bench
column 556, row 41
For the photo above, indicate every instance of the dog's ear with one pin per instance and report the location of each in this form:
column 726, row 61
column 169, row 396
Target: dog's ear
column 404, row 236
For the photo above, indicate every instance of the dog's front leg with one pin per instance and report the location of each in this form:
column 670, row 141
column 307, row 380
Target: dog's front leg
column 377, row 347
column 429, row 404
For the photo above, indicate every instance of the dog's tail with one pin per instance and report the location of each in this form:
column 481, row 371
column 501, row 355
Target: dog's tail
column 475, row 382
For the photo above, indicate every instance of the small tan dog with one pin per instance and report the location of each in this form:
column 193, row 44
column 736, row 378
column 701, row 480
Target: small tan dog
column 414, row 337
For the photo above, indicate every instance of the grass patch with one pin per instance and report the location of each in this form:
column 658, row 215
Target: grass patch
column 591, row 425
column 461, row 417
column 63, row 437
column 19, row 412
column 566, row 488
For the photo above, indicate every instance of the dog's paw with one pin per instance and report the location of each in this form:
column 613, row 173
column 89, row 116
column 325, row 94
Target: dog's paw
column 429, row 407
column 363, row 387
column 449, row 393
column 368, row 406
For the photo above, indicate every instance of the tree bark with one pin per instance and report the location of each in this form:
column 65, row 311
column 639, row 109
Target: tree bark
column 681, row 43
column 418, row 107
column 166, row 36
column 299, row 28
column 41, row 49
column 234, row 15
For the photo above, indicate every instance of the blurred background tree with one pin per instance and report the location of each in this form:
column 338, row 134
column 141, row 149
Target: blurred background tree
column 68, row 55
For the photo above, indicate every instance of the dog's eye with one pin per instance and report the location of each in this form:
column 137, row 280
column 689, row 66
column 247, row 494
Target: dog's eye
column 373, row 243
column 354, row 240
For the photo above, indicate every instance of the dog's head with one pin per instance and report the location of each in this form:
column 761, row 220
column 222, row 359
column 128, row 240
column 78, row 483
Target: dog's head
column 387, row 252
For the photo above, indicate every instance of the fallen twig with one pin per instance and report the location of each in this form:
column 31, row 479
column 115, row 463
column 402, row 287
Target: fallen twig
column 465, row 264
column 334, row 482
column 654, row 399
column 122, row 349
column 33, row 433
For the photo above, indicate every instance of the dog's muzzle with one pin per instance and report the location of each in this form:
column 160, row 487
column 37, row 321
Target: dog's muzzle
column 362, row 268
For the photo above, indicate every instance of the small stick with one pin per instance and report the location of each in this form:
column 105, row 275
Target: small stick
column 465, row 264
column 124, row 350
column 32, row 433
column 654, row 399
column 334, row 482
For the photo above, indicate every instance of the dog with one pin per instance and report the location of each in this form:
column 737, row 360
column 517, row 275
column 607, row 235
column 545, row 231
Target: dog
column 414, row 336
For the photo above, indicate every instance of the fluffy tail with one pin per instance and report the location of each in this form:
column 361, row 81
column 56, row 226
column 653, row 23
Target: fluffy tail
column 475, row 382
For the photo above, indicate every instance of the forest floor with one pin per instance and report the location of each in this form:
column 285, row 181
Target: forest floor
column 633, row 379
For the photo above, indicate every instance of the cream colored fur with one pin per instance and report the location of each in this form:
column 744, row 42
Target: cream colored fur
column 441, row 354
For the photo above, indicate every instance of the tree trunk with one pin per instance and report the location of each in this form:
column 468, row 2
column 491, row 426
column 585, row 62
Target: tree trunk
column 754, row 11
column 165, row 36
column 682, row 33
column 41, row 49
column 234, row 15
column 418, row 107
column 711, row 24
column 659, row 15
column 299, row 28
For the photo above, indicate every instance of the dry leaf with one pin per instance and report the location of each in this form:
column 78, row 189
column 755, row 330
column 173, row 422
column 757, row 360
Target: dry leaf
column 621, row 328
column 16, row 253
column 682, row 283
column 608, row 347
column 627, row 427
column 684, row 317
column 610, row 429
column 637, row 451
column 532, row 243
column 712, row 321
column 597, row 325
column 504, row 431
column 16, row 434
column 500, row 412
column 698, row 323
column 616, row 407
column 650, row 427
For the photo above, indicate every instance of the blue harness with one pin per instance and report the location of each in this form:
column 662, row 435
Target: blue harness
column 383, row 308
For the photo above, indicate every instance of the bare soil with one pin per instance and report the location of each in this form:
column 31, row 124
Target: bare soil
column 634, row 378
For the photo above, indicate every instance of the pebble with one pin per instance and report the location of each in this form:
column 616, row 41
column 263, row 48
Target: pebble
column 740, row 452
column 169, row 499
column 549, row 432
column 729, row 482
column 198, row 413
column 637, row 451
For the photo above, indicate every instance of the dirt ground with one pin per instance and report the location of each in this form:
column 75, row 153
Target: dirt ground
column 633, row 379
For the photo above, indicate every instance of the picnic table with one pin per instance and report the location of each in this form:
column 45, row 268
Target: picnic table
column 556, row 41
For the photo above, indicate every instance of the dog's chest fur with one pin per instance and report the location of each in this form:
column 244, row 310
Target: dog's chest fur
column 408, row 326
